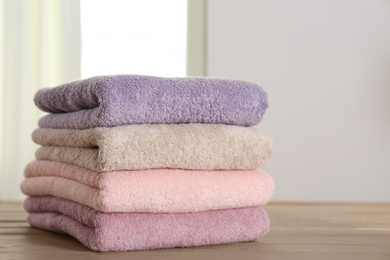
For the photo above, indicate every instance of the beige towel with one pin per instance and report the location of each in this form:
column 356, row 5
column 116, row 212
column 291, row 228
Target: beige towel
column 133, row 147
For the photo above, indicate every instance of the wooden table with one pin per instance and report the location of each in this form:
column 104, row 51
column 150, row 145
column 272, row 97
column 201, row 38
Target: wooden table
column 298, row 231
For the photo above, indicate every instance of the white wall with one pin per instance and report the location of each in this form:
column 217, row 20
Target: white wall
column 326, row 67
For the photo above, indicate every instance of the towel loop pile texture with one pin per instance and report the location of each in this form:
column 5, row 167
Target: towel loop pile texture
column 134, row 147
column 139, row 231
column 150, row 191
column 106, row 101
column 130, row 162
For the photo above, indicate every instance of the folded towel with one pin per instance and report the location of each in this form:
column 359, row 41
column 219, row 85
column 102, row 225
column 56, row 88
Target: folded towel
column 157, row 191
column 140, row 231
column 133, row 147
column 132, row 99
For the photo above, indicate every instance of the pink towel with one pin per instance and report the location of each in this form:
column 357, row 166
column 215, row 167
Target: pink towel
column 140, row 231
column 157, row 191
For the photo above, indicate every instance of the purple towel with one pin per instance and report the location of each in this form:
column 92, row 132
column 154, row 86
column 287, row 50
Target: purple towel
column 107, row 101
column 141, row 231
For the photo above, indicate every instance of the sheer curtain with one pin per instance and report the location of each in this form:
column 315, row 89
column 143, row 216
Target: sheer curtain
column 39, row 47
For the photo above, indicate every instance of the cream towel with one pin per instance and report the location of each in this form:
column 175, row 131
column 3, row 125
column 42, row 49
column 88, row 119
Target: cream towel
column 132, row 147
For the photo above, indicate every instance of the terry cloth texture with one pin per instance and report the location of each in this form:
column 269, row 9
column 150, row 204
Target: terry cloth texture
column 141, row 231
column 152, row 191
column 133, row 147
column 107, row 101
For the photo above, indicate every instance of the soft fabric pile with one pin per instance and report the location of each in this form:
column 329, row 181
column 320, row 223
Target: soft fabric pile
column 133, row 162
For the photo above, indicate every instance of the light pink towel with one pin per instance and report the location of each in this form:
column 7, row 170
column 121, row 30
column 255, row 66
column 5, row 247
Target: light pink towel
column 140, row 231
column 157, row 191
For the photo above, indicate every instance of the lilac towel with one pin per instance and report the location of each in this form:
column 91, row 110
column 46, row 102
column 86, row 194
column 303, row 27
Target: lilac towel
column 141, row 231
column 107, row 101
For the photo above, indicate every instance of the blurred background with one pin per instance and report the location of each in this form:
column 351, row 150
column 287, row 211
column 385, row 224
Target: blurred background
column 324, row 64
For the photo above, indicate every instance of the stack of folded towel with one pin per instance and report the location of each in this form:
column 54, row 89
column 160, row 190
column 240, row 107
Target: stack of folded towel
column 132, row 162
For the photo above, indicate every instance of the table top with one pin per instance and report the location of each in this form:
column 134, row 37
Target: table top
column 298, row 231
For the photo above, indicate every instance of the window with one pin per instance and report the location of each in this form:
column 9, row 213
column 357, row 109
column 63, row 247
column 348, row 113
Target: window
column 133, row 37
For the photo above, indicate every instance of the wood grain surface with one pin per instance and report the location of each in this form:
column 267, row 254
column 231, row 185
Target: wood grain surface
column 298, row 231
